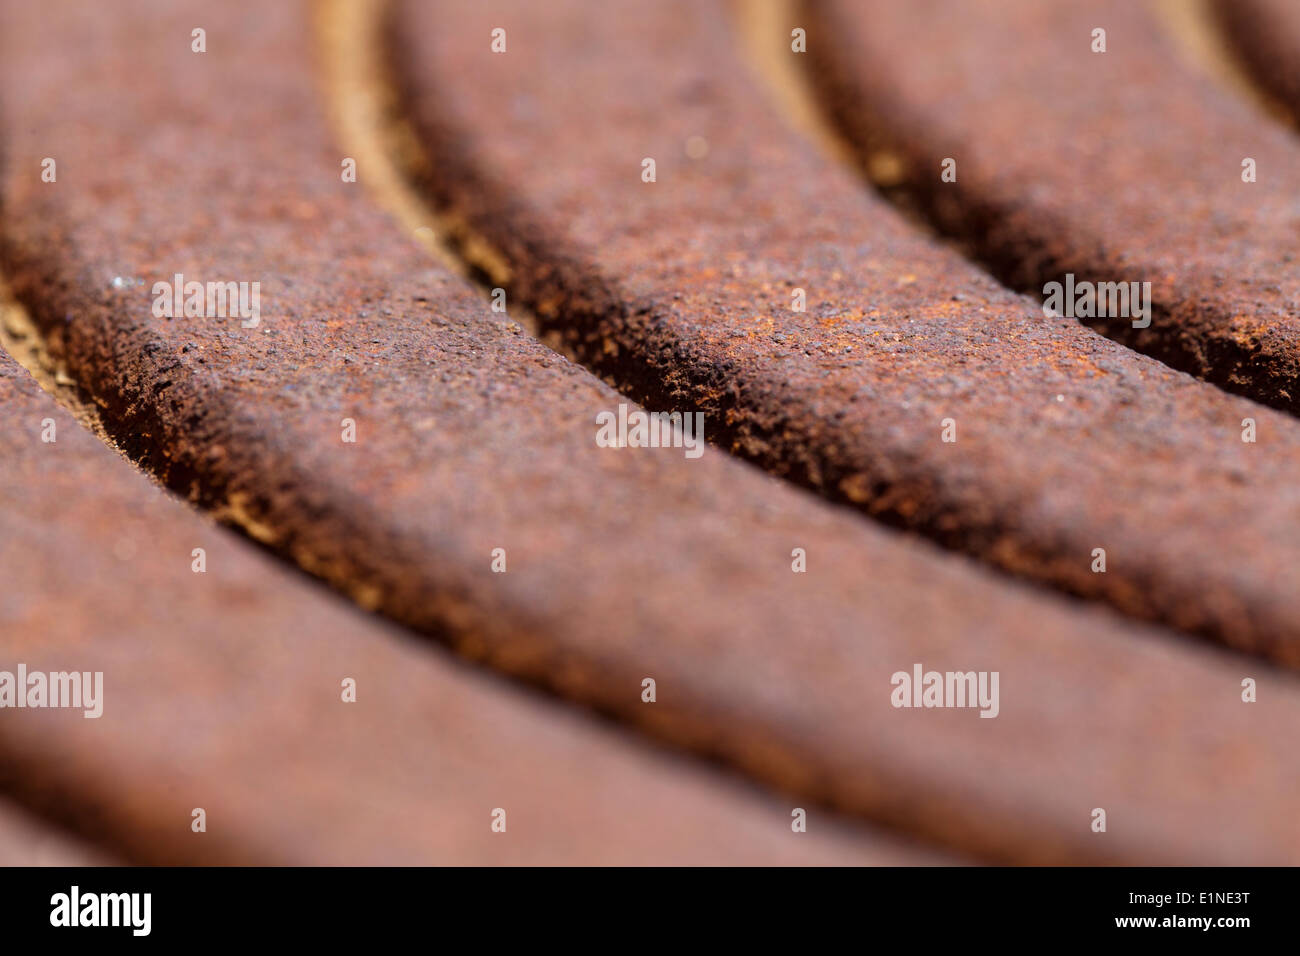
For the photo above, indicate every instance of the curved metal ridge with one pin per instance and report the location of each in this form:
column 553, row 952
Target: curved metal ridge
column 1122, row 164
column 686, row 291
column 225, row 692
column 477, row 506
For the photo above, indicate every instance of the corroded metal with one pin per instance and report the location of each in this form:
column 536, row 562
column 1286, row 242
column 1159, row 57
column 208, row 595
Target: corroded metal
column 1117, row 165
column 685, row 291
column 223, row 690
column 619, row 564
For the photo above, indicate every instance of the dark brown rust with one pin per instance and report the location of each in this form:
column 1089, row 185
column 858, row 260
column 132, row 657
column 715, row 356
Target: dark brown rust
column 1266, row 35
column 1117, row 166
column 223, row 690
column 622, row 563
column 682, row 291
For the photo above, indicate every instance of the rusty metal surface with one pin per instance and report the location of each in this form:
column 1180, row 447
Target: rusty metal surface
column 622, row 564
column 1114, row 166
column 1266, row 36
column 681, row 289
column 223, row 690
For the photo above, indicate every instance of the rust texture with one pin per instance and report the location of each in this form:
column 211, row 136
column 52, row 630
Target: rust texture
column 1117, row 166
column 1266, row 35
column 682, row 289
column 626, row 563
column 224, row 690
